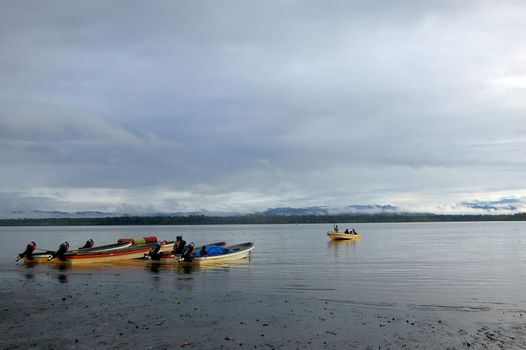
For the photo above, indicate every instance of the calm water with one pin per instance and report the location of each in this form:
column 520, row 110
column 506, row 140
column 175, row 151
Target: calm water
column 416, row 265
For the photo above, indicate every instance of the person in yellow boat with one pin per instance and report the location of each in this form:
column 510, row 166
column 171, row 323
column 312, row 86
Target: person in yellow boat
column 335, row 228
column 346, row 230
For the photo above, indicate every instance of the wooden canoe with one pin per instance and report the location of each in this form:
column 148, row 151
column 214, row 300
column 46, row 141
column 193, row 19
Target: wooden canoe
column 344, row 236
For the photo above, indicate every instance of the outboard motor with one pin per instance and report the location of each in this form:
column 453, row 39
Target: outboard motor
column 89, row 244
column 154, row 253
column 187, row 252
column 181, row 247
column 62, row 249
column 28, row 252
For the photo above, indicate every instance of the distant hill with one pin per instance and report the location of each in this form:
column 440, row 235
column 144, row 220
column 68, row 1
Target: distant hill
column 502, row 206
column 502, row 209
column 258, row 219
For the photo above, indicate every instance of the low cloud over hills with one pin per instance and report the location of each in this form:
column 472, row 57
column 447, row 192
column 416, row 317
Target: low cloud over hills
column 480, row 207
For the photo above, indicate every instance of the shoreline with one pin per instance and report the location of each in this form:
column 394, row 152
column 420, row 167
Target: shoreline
column 52, row 308
column 257, row 219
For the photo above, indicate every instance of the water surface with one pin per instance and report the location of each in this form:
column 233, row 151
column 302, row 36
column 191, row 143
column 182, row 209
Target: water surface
column 462, row 264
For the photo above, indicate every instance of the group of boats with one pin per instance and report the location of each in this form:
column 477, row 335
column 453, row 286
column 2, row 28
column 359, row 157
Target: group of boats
column 153, row 251
column 146, row 248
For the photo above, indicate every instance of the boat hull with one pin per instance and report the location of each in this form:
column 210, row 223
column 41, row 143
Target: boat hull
column 337, row 236
column 133, row 252
column 170, row 258
column 39, row 258
column 237, row 252
column 47, row 257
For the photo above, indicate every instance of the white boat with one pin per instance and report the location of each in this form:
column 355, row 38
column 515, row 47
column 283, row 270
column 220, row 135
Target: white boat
column 171, row 258
column 231, row 253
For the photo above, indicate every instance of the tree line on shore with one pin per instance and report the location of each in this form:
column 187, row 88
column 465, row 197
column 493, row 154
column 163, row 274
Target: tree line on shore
column 257, row 219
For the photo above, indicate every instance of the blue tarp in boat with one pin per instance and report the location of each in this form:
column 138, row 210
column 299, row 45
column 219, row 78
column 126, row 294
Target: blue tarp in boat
column 213, row 250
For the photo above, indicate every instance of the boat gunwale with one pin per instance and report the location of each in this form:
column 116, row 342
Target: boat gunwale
column 118, row 252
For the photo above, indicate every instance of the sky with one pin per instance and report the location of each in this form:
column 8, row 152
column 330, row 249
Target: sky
column 240, row 106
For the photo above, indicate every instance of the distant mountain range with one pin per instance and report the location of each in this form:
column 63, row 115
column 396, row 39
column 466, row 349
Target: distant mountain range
column 283, row 211
column 476, row 207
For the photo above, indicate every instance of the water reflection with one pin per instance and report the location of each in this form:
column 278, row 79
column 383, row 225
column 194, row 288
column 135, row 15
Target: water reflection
column 62, row 266
column 183, row 270
column 153, row 267
column 342, row 246
column 62, row 278
column 340, row 242
column 189, row 268
column 29, row 265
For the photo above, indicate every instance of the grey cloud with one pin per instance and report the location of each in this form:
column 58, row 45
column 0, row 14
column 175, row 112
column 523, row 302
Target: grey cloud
column 318, row 101
column 502, row 204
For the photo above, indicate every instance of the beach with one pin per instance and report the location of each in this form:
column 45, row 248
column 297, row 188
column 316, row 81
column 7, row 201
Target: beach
column 57, row 310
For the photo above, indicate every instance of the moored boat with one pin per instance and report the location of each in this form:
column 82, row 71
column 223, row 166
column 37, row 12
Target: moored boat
column 344, row 236
column 128, row 253
column 224, row 254
column 171, row 258
column 46, row 256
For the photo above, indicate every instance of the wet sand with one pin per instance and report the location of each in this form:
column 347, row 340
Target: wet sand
column 127, row 309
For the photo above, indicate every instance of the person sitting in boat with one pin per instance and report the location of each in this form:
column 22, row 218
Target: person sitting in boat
column 354, row 232
column 179, row 245
column 176, row 244
column 203, row 251
column 154, row 254
column 89, row 244
column 346, row 230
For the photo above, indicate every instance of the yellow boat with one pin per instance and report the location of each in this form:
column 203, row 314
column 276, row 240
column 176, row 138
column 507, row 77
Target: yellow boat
column 335, row 236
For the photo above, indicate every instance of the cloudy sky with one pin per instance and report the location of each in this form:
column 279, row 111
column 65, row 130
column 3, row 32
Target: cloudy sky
column 240, row 106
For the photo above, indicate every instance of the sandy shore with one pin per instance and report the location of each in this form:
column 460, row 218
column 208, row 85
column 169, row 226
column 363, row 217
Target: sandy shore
column 53, row 309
